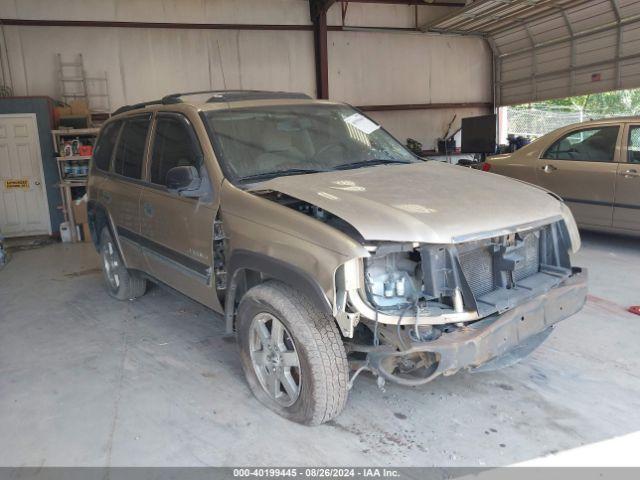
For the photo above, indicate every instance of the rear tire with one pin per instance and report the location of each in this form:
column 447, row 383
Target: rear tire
column 121, row 282
column 303, row 373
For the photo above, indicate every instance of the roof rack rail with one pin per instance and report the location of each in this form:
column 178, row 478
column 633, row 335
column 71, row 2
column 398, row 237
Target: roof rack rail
column 135, row 106
column 221, row 96
column 217, row 96
column 175, row 97
column 239, row 95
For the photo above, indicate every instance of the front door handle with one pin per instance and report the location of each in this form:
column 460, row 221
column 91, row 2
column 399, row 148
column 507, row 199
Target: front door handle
column 548, row 168
column 148, row 209
column 630, row 173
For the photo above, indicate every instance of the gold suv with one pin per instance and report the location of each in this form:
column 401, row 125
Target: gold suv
column 327, row 246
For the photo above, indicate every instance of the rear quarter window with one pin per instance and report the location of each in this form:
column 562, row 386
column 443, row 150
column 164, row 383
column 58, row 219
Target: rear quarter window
column 106, row 143
column 131, row 147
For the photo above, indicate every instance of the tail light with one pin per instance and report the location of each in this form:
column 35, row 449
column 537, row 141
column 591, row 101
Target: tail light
column 486, row 167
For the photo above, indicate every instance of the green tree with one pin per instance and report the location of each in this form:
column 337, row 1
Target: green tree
column 603, row 104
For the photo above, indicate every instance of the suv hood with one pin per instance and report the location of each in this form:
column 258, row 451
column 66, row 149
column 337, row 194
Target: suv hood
column 429, row 202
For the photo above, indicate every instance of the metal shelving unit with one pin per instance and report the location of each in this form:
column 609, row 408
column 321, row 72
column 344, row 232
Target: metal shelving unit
column 67, row 179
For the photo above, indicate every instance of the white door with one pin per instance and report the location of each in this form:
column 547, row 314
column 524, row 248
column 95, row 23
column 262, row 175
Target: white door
column 24, row 209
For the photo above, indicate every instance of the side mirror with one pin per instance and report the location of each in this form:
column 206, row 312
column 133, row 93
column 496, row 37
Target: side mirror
column 184, row 180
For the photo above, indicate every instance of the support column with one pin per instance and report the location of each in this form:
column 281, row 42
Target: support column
column 319, row 19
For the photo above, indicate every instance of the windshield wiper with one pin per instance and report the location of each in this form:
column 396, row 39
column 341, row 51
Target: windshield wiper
column 281, row 173
column 363, row 163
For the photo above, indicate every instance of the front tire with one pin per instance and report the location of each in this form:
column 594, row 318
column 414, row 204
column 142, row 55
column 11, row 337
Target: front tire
column 292, row 354
column 122, row 283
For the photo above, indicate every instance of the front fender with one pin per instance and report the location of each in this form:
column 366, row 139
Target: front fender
column 243, row 261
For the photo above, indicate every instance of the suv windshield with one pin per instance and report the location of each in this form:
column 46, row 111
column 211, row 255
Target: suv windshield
column 262, row 142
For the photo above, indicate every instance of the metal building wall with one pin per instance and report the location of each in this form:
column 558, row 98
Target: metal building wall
column 146, row 63
column 366, row 67
column 412, row 69
column 417, row 74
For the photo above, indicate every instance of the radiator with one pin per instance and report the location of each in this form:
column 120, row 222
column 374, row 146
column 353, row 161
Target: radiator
column 477, row 264
column 477, row 267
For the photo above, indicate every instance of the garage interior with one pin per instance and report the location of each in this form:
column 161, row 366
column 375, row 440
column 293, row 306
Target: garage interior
column 87, row 381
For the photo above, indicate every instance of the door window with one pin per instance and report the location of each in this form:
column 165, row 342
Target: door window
column 590, row 145
column 633, row 146
column 173, row 146
column 130, row 152
column 104, row 148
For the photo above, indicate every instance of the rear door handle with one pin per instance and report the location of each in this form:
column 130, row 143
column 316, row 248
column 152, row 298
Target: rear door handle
column 106, row 196
column 630, row 173
column 548, row 168
column 148, row 209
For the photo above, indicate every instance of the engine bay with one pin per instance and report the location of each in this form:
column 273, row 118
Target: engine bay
column 485, row 276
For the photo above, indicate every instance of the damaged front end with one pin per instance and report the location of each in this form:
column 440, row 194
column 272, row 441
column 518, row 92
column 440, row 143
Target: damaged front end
column 410, row 311
column 415, row 311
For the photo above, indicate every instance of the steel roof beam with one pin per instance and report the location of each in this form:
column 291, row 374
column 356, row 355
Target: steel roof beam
column 616, row 12
column 479, row 16
column 572, row 48
column 575, row 36
column 564, row 71
column 419, row 3
column 493, row 19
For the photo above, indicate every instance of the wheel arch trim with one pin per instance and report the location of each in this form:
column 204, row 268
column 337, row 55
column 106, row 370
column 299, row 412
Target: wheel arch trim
column 92, row 208
column 244, row 260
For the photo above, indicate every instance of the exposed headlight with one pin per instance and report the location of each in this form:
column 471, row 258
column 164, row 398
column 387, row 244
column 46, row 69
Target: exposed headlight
column 393, row 276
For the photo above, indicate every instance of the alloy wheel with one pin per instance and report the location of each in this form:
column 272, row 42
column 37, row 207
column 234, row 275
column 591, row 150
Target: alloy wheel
column 111, row 262
column 275, row 359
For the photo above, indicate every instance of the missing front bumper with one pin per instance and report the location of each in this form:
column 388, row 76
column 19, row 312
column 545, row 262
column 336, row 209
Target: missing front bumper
column 516, row 333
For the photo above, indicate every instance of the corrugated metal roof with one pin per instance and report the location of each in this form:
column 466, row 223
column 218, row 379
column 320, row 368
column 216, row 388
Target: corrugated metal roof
column 489, row 16
column 554, row 48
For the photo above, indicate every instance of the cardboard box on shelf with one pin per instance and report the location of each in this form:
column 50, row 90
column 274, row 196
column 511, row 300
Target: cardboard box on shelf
column 80, row 212
column 63, row 111
column 79, row 107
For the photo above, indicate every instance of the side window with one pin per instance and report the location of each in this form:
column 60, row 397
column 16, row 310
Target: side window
column 633, row 146
column 173, row 146
column 590, row 145
column 104, row 148
column 130, row 151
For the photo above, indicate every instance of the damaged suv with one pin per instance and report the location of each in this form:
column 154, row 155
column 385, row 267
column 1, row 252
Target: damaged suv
column 328, row 247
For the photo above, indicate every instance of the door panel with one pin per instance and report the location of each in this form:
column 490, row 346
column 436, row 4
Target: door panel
column 177, row 232
column 586, row 187
column 24, row 209
column 581, row 167
column 122, row 198
column 122, row 194
column 178, row 243
column 626, row 212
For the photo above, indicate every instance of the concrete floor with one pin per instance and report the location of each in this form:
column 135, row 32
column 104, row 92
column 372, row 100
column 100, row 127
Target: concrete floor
column 87, row 380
